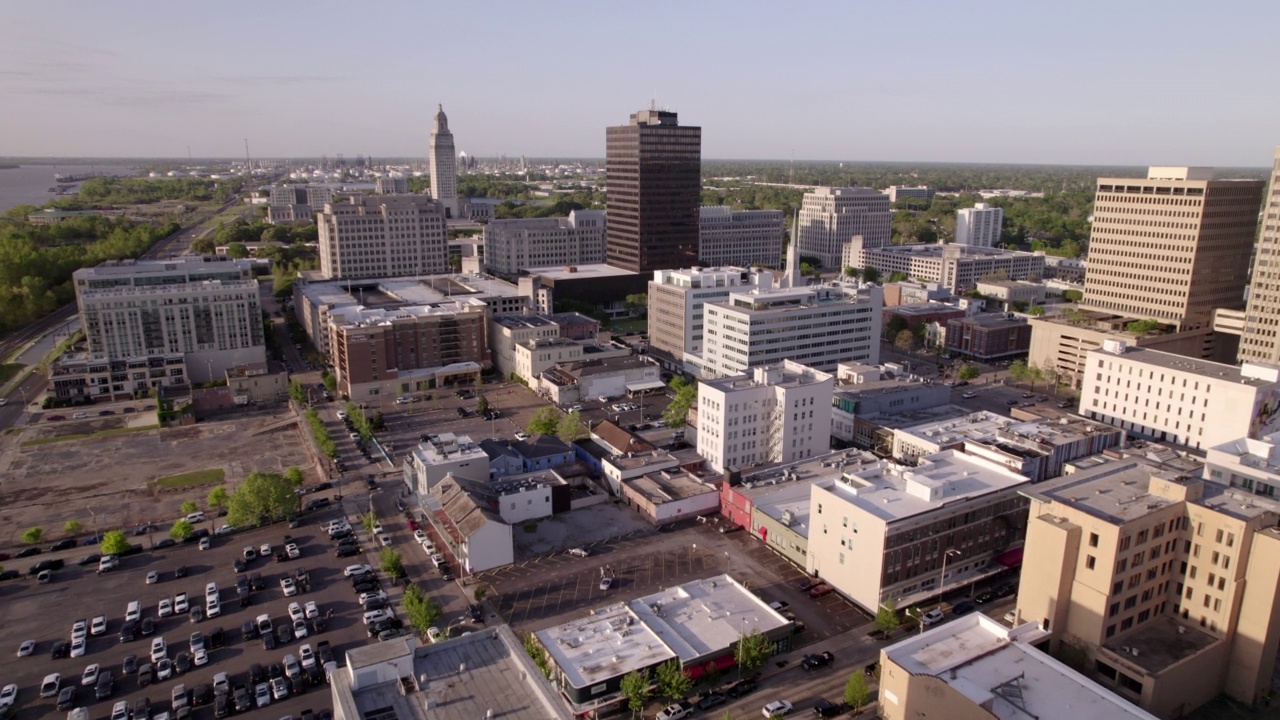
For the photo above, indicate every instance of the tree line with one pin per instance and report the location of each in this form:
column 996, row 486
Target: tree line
column 102, row 191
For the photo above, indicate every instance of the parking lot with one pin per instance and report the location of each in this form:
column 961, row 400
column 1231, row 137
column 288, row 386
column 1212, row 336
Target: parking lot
column 45, row 613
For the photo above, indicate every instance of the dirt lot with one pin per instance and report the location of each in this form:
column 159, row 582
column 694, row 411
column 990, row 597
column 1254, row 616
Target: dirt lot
column 104, row 480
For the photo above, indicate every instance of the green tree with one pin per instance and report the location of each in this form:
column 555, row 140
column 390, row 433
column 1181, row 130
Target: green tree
column 114, row 542
column 237, row 250
column 905, row 341
column 1018, row 371
column 968, row 371
column 329, row 379
column 1073, row 295
column 638, row 304
column 368, row 521
column 391, row 562
column 297, row 392
column 33, row 535
column 635, row 688
column 1143, row 327
column 294, row 476
column 752, row 651
column 887, row 619
column 1049, row 373
column 261, row 495
column 678, row 411
column 218, row 497
column 852, row 272
column 377, row 422
column 570, row 428
column 856, row 692
column 870, row 274
column 895, row 325
column 672, row 682
column 1036, row 311
column 189, row 507
column 181, row 530
column 544, row 422
column 897, row 276
column 482, row 405
column 73, row 527
column 421, row 610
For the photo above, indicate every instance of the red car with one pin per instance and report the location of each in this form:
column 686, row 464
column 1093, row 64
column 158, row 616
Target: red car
column 413, row 525
column 819, row 590
column 55, row 418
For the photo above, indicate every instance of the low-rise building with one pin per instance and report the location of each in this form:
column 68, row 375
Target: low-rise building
column 991, row 336
column 740, row 237
column 956, row 267
column 537, row 355
column 668, row 496
column 94, row 376
column 507, row 331
column 474, row 533
column 909, row 292
column 617, row 440
column 917, row 314
column 511, row 246
column 868, row 393
column 1011, row 291
column 612, row 377
column 604, row 287
column 448, row 454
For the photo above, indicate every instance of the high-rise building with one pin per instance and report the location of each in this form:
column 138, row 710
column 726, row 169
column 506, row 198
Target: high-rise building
column 979, row 225
column 514, row 245
column 653, row 177
column 1171, row 247
column 377, row 236
column 677, row 297
column 831, row 216
column 774, row 413
column 740, row 237
column 1261, row 337
column 444, row 166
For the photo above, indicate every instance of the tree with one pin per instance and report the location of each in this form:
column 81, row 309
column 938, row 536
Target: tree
column 218, row 497
column 33, row 535
column 897, row 276
column 1018, row 371
column 905, row 341
column 672, row 682
column 1049, row 373
column 968, row 371
column 806, row 269
column 545, row 422
column 294, row 476
column 369, row 521
column 378, row 422
column 1073, row 295
column 421, row 610
column 391, row 562
column 237, row 251
column 1143, row 327
column 261, row 495
column 1037, row 311
column 114, row 542
column 181, row 530
column 856, row 692
column 895, row 325
column 635, row 688
column 638, row 304
column 686, row 397
column 189, row 507
column 852, row 272
column 571, row 427
column 887, row 619
column 73, row 527
column 752, row 651
column 870, row 274
column 297, row 392
column 482, row 405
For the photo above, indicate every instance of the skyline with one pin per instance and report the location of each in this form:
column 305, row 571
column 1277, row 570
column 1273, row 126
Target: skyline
column 1092, row 84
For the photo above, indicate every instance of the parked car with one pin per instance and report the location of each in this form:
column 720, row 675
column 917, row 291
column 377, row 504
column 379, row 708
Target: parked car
column 675, row 711
column 817, row 660
column 820, row 590
column 963, row 607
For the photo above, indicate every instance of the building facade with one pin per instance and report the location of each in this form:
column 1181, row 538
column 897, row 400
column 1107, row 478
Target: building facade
column 377, row 236
column 831, row 216
column 653, row 172
column 391, row 186
column 979, row 225
column 902, row 192
column 1171, row 247
column 444, row 166
column 677, row 297
column 1260, row 340
column 957, row 268
column 512, row 246
column 989, row 337
column 740, row 237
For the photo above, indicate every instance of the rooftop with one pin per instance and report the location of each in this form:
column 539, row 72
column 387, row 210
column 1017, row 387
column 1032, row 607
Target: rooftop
column 786, row 374
column 448, row 447
column 609, row 642
column 404, row 291
column 997, row 667
column 1157, row 644
column 179, row 264
column 976, row 425
column 1117, row 491
column 935, row 250
column 578, row 272
column 991, row 320
column 916, row 417
column 359, row 316
column 522, row 321
column 894, row 492
column 666, row 486
column 705, row 617
column 761, row 299
column 1250, row 373
column 924, row 308
column 619, row 439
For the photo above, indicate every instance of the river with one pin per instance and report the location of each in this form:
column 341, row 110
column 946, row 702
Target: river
column 29, row 184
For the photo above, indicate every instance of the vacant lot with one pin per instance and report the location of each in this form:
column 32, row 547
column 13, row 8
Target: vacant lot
column 104, row 479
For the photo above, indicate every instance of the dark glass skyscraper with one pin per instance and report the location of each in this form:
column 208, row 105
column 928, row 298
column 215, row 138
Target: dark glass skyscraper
column 653, row 176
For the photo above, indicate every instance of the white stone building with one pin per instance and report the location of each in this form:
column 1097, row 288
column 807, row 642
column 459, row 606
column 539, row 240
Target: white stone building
column 378, row 236
column 956, row 267
column 831, row 217
column 740, row 237
column 515, row 245
column 444, row 166
column 979, row 226
column 449, row 454
column 677, row 297
column 774, row 413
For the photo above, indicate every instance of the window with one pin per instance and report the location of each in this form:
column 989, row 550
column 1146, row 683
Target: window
column 1093, row 539
column 1089, row 562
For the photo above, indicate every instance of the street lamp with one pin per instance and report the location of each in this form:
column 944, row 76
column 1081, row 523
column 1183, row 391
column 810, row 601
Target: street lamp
column 942, row 577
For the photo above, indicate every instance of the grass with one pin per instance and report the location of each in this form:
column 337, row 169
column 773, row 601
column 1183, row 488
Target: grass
column 226, row 216
column 9, row 370
column 629, row 325
column 190, row 479
column 85, row 436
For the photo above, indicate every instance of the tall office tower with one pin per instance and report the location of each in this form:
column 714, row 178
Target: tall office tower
column 377, row 236
column 444, row 166
column 740, row 237
column 979, row 225
column 1260, row 340
column 830, row 217
column 653, row 177
column 1171, row 247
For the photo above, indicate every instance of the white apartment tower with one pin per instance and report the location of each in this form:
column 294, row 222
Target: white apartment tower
column 740, row 237
column 979, row 226
column 511, row 246
column 831, row 217
column 378, row 236
column 444, row 166
column 775, row 413
column 677, row 299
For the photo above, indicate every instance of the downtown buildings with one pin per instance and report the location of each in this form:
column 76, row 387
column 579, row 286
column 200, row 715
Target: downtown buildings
column 830, row 217
column 513, row 246
column 740, row 237
column 677, row 299
column 381, row 236
column 979, row 226
column 443, row 159
column 1260, row 340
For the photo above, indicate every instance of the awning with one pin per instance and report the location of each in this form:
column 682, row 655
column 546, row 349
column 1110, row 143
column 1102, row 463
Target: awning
column 1010, row 558
column 646, row 385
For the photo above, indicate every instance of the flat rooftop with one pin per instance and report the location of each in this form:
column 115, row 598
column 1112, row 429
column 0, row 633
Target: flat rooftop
column 578, row 272
column 705, row 617
column 1116, row 491
column 991, row 321
column 522, row 321
column 924, row 308
column 448, row 447
column 916, row 417
column 934, row 250
column 1159, row 643
column 895, row 492
column 610, row 642
column 997, row 666
column 977, row 425
column 1246, row 374
column 413, row 290
column 667, row 486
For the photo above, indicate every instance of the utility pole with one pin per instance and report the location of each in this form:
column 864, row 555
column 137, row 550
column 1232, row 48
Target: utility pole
column 248, row 165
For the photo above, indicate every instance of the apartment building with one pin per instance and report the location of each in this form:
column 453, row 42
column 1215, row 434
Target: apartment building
column 205, row 310
column 988, row 337
column 1259, row 340
column 740, row 237
column 774, row 413
column 1165, row 576
column 677, row 297
column 1171, row 247
column 515, row 245
column 832, row 216
column 389, row 352
column 819, row 326
column 957, row 268
column 443, row 159
column 979, row 226
column 883, row 532
column 1170, row 397
column 377, row 236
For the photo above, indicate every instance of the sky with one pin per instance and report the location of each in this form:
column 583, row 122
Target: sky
column 1128, row 82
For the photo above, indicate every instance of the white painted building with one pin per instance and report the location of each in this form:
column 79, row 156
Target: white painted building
column 474, row 533
column 740, row 237
column 979, row 225
column 677, row 298
column 774, row 413
column 428, row 464
column 1185, row 400
column 379, row 236
column 832, row 216
column 956, row 267
column 515, row 245
column 819, row 326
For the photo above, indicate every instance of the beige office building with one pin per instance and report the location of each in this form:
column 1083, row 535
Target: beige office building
column 831, row 217
column 379, row 236
column 1171, row 247
column 1260, row 339
column 1163, row 576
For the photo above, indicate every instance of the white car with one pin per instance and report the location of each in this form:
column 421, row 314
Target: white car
column 264, row 623
column 89, row 677
column 419, row 537
column 300, row 629
column 77, row 647
column 108, row 563
column 311, row 611
column 250, row 553
column 262, row 695
column 221, row 684
column 120, row 711
column 133, row 612
column 153, row 577
column 522, row 436
column 211, row 589
column 295, row 611
column 437, row 559
column 342, row 415
column 969, row 395
column 279, row 688
column 404, row 400
column 26, row 648
column 674, row 712
column 377, row 528
column 293, row 551
column 98, row 626
column 357, row 570
column 205, row 543
column 777, row 707
column 265, row 550
column 8, row 695
column 212, row 607
column 164, row 608
column 376, row 595
column 374, row 616
column 307, row 656
column 433, row 634
column 933, row 617
column 200, row 658
column 606, row 583
column 180, row 604
column 195, row 517
column 287, row 585
column 79, row 629
column 159, row 650
column 50, row 685
column 385, row 540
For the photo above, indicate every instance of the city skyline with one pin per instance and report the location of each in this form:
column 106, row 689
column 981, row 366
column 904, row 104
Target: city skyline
column 1001, row 84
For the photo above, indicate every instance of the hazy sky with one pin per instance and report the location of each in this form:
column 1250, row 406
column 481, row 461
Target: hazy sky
column 1128, row 82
